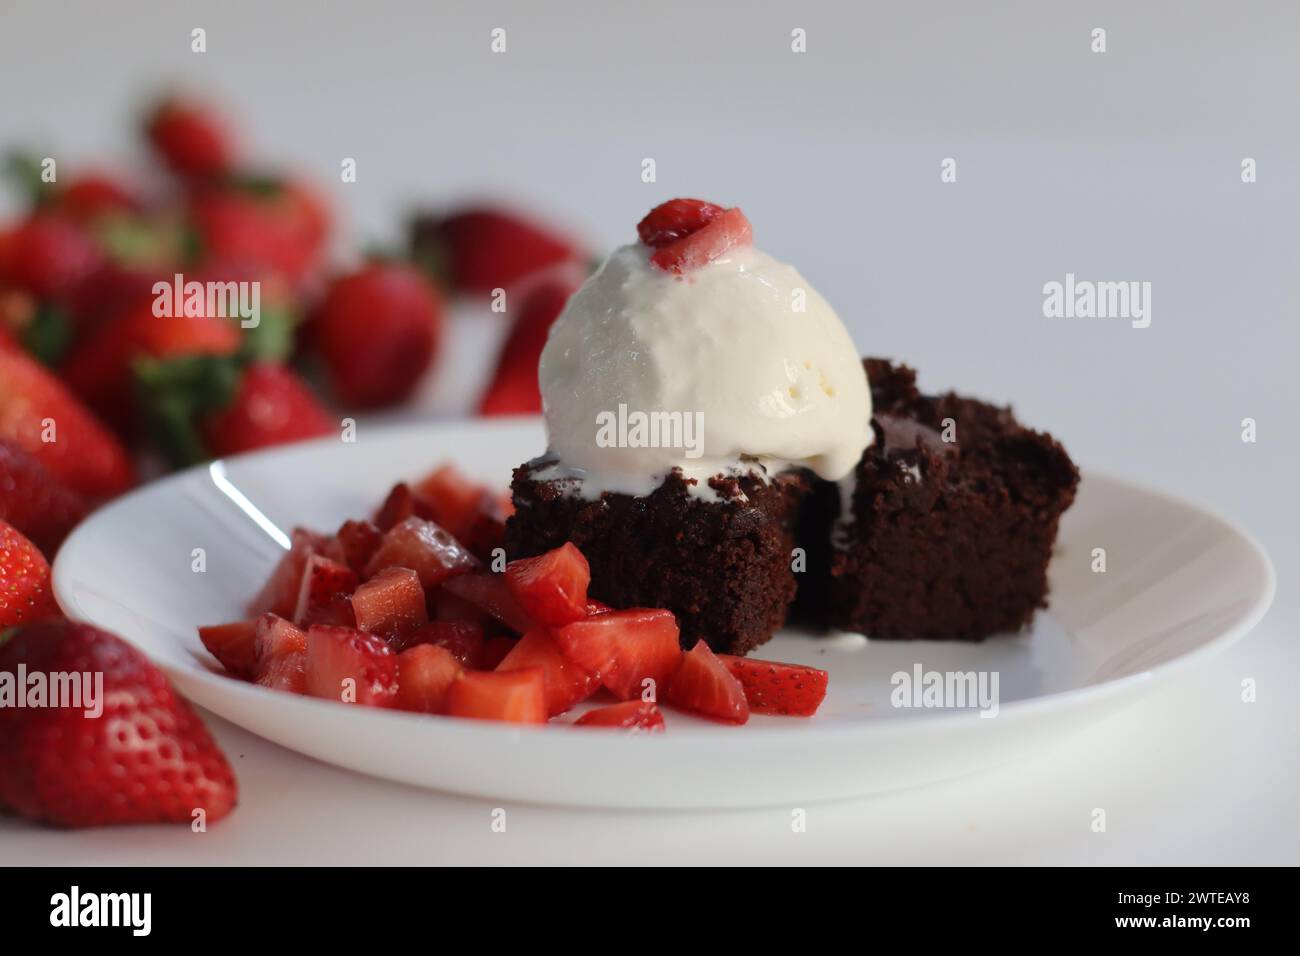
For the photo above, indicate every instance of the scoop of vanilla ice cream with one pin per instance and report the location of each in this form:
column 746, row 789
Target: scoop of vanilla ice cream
column 742, row 346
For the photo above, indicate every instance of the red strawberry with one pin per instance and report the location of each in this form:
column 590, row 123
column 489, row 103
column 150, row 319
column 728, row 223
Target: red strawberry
column 280, row 593
column 92, row 195
column 774, row 688
column 390, row 604
column 25, row 592
column 323, row 593
column 233, row 645
column 35, row 406
column 377, row 332
column 277, row 225
column 675, row 219
column 48, row 256
column 495, row 650
column 516, row 696
column 358, row 541
column 552, row 587
column 704, row 685
column 513, row 389
column 452, row 500
column 424, row 547
column 34, row 501
column 146, row 759
column 462, row 639
column 624, row 648
column 349, row 665
column 191, row 139
column 484, row 249
column 634, row 715
column 399, row 505
column 272, row 406
column 281, row 651
column 713, row 241
column 566, row 683
column 425, row 674
column 491, row 593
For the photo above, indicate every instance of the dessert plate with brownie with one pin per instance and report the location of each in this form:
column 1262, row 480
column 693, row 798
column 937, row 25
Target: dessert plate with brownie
column 738, row 565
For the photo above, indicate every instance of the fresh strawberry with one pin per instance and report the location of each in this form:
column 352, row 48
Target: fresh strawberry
column 449, row 498
column 323, row 593
column 34, row 501
column 278, row 225
column 399, row 505
column 491, row 593
column 704, row 686
column 48, row 256
column 358, row 542
column 39, row 415
column 146, row 759
column 352, row 666
column 552, row 587
column 280, row 593
column 462, row 639
column 725, row 232
column 424, row 547
column 281, row 652
column 390, row 604
column 91, row 195
column 513, row 388
column 676, row 219
column 191, row 138
column 774, row 688
column 482, row 249
column 636, row 716
column 25, row 592
column 377, row 332
column 495, row 650
column 287, row 672
column 624, row 648
column 425, row 674
column 234, row 646
column 566, row 683
column 516, row 696
column 272, row 406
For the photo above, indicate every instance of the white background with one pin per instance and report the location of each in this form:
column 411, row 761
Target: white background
column 1123, row 165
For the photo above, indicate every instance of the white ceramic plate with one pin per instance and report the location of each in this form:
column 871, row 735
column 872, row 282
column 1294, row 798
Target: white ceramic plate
column 1179, row 583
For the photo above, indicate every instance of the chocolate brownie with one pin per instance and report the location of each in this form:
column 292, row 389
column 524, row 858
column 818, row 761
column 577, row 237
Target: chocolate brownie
column 722, row 566
column 952, row 517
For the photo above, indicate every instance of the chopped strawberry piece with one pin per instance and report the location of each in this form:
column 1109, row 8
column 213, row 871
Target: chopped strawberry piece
column 492, row 594
column 791, row 690
column 484, row 536
column 453, row 500
column 233, row 645
column 358, row 542
column 675, row 219
column 425, row 674
column 624, row 648
column 704, row 685
column 349, row 665
column 323, row 592
column 280, row 593
column 635, row 715
column 424, row 547
column 281, row 651
column 726, row 232
column 463, row 639
column 566, row 683
column 451, row 607
column 552, row 587
column 391, row 604
column 515, row 696
column 287, row 673
column 495, row 650
column 397, row 507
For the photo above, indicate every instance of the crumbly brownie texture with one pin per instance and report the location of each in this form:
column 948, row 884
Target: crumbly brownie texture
column 723, row 567
column 945, row 541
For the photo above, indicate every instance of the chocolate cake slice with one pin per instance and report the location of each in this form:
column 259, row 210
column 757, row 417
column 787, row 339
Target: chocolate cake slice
column 951, row 518
column 721, row 563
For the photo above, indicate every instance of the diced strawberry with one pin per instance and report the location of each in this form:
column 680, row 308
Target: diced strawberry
column 704, row 685
column 287, row 673
column 485, row 535
column 232, row 645
column 281, row 651
column 350, row 665
column 397, row 507
column 462, row 638
column 515, row 696
column 450, row 607
column 551, row 587
column 453, row 500
column 280, row 593
column 492, row 594
column 791, row 690
column 358, row 542
column 424, row 547
column 323, row 592
column 724, row 233
column 566, row 683
column 425, row 674
column 638, row 716
column 675, row 219
column 595, row 607
column 391, row 604
column 495, row 650
column 624, row 648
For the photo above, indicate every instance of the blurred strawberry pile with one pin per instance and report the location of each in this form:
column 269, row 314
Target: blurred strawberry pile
column 105, row 379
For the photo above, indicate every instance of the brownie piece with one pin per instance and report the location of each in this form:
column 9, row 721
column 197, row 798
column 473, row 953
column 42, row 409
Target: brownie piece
column 723, row 567
column 944, row 539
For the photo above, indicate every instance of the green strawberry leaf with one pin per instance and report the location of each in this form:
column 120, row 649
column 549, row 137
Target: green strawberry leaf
column 177, row 393
column 49, row 333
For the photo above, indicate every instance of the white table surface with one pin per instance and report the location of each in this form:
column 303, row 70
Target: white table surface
column 1120, row 166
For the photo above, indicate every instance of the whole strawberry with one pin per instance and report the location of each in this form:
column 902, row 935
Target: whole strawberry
column 481, row 249
column 377, row 331
column 49, row 256
column 513, row 389
column 191, row 138
column 146, row 758
column 34, row 501
column 272, row 405
column 278, row 224
column 25, row 592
